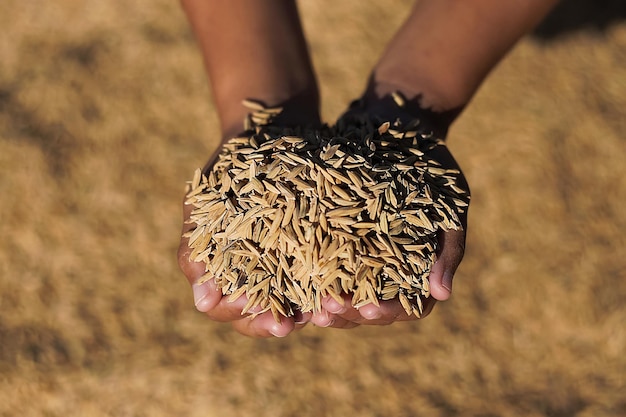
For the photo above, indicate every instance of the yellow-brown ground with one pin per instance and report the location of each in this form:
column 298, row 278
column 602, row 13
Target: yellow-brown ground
column 105, row 113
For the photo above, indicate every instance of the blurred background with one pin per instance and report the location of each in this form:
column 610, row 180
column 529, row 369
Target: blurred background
column 105, row 112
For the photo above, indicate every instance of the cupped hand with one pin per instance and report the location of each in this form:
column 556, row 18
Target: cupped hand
column 345, row 316
column 451, row 243
column 209, row 299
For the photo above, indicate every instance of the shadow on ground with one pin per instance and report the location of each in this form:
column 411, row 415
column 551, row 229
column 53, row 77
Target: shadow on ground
column 575, row 15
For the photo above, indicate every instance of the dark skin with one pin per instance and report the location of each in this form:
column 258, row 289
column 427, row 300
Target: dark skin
column 453, row 43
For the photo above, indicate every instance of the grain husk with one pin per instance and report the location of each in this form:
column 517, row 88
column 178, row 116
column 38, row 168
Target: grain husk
column 287, row 216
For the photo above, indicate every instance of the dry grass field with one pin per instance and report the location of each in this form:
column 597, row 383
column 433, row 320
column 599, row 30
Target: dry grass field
column 105, row 112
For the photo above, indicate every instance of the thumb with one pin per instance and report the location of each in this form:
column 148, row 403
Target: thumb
column 451, row 251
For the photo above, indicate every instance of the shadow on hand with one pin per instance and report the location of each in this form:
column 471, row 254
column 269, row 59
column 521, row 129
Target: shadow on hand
column 575, row 15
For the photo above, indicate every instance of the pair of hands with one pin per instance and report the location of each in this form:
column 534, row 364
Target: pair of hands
column 209, row 299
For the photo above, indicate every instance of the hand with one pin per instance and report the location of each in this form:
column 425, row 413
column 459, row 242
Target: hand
column 209, row 299
column 451, row 243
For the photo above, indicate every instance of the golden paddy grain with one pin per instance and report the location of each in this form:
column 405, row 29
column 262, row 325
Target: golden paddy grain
column 287, row 216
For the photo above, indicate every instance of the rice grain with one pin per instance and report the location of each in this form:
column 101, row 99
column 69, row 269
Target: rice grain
column 287, row 216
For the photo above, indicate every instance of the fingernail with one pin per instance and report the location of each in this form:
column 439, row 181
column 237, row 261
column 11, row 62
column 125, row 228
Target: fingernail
column 276, row 332
column 325, row 322
column 200, row 292
column 371, row 314
column 446, row 281
column 333, row 306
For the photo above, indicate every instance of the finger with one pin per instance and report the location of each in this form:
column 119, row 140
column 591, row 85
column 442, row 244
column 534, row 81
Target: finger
column 326, row 319
column 192, row 270
column 322, row 318
column 206, row 296
column 343, row 310
column 452, row 249
column 264, row 325
column 229, row 310
column 334, row 306
column 386, row 312
column 351, row 315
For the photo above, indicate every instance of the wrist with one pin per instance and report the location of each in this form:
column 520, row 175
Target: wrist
column 301, row 108
column 417, row 103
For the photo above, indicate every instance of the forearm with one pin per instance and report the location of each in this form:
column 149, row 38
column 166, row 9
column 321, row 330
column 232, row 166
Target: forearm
column 446, row 48
column 254, row 49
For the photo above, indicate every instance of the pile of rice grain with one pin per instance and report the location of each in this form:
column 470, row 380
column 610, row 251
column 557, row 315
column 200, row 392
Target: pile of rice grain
column 288, row 216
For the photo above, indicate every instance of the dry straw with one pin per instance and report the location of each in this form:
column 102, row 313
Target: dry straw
column 287, row 216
